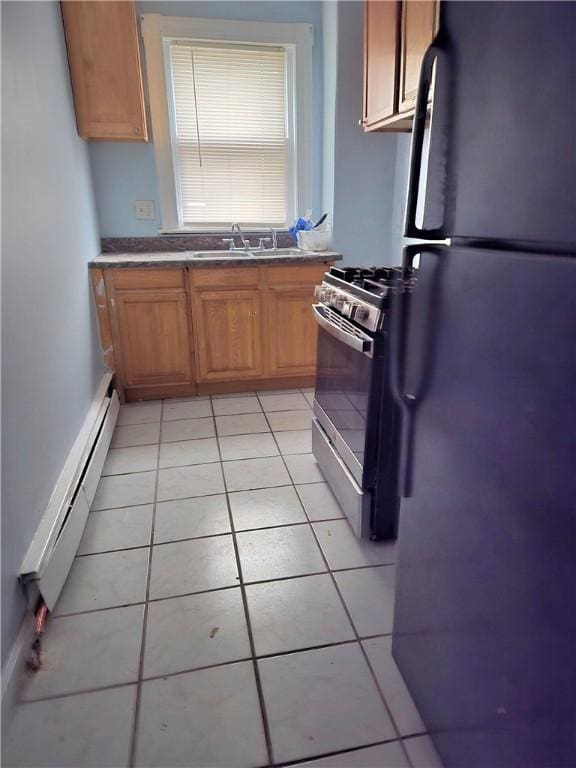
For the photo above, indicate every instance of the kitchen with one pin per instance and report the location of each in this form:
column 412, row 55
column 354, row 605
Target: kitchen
column 281, row 498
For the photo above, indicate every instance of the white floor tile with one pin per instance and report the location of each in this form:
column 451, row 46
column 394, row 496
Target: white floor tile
column 140, row 413
column 187, row 429
column 89, row 730
column 206, row 718
column 309, row 398
column 186, row 482
column 229, row 406
column 292, row 402
column 185, row 633
column 191, row 518
column 110, row 529
column 247, row 446
column 285, row 421
column 397, row 695
column 91, row 650
column 422, row 752
column 278, row 392
column 266, row 507
column 243, row 424
column 189, row 409
column 193, row 566
column 187, row 452
column 297, row 441
column 389, row 755
column 104, row 581
column 249, row 474
column 275, row 553
column 304, row 468
column 344, row 550
column 188, row 399
column 298, row 613
column 122, row 461
column 125, row 490
column 135, row 434
column 319, row 501
column 369, row 596
column 322, row 701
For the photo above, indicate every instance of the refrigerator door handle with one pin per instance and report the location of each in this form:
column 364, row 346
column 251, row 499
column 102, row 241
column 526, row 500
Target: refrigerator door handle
column 408, row 401
column 437, row 55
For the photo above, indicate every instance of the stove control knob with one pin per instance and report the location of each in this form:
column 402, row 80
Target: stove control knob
column 361, row 313
column 338, row 302
column 348, row 309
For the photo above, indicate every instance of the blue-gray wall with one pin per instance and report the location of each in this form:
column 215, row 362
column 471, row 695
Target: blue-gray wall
column 125, row 172
column 51, row 361
column 364, row 163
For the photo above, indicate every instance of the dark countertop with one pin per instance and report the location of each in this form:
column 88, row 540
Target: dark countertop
column 188, row 259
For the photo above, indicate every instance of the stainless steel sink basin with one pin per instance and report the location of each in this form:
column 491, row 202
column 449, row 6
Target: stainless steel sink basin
column 254, row 254
column 220, row 255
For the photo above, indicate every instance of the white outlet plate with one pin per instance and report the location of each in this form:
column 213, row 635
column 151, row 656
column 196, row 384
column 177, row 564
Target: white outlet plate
column 144, row 209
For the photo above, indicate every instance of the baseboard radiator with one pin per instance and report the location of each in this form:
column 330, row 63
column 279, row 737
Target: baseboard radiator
column 53, row 548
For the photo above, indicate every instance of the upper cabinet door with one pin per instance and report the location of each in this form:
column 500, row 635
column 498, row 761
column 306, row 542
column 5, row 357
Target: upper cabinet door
column 380, row 60
column 419, row 25
column 104, row 59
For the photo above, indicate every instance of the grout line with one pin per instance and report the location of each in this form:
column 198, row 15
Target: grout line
column 325, row 755
column 260, row 692
column 134, row 734
column 220, row 589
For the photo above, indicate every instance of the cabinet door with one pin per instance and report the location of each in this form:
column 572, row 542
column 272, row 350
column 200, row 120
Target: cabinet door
column 228, row 333
column 292, row 331
column 102, row 42
column 152, row 338
column 380, row 60
column 419, row 24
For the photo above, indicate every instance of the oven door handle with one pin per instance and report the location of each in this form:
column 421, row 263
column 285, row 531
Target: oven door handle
column 357, row 341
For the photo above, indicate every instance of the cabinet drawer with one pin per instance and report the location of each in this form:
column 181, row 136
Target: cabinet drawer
column 134, row 279
column 233, row 277
column 310, row 273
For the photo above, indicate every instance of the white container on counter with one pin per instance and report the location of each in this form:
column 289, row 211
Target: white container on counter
column 315, row 239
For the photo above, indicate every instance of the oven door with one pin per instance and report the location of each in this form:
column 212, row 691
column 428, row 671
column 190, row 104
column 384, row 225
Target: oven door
column 345, row 388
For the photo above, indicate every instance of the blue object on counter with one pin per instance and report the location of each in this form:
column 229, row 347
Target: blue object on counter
column 299, row 224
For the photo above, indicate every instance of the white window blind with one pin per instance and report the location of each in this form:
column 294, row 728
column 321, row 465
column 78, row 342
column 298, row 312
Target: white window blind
column 230, row 133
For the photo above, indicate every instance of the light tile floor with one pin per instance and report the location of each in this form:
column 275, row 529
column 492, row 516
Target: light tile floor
column 220, row 612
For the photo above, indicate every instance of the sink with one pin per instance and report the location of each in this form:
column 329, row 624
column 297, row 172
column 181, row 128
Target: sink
column 268, row 252
column 220, row 255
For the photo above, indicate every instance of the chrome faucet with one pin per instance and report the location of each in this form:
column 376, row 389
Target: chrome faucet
column 274, row 239
column 237, row 228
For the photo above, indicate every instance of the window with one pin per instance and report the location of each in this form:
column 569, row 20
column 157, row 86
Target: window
column 231, row 121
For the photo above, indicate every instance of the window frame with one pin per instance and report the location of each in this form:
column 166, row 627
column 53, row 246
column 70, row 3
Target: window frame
column 297, row 39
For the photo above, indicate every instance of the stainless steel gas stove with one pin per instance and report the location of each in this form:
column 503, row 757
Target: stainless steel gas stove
column 355, row 430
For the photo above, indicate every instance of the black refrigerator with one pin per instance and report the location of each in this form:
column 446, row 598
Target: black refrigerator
column 484, row 368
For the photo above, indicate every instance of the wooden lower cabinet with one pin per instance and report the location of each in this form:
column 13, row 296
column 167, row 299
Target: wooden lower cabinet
column 292, row 331
column 174, row 332
column 150, row 322
column 228, row 334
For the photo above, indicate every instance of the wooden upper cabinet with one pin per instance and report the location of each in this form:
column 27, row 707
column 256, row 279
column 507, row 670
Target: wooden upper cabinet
column 150, row 327
column 396, row 36
column 228, row 334
column 104, row 60
column 380, row 60
column 419, row 23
